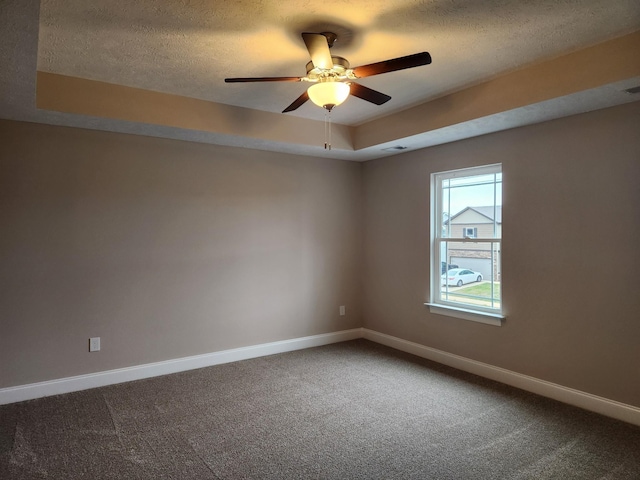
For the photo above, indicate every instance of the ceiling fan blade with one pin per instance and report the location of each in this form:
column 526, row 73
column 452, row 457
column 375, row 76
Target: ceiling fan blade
column 368, row 94
column 318, row 48
column 410, row 61
column 298, row 102
column 263, row 79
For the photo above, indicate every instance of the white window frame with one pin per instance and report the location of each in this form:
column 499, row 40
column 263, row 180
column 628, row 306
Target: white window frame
column 487, row 315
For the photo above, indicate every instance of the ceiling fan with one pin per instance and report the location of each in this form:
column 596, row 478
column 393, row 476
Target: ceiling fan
column 332, row 76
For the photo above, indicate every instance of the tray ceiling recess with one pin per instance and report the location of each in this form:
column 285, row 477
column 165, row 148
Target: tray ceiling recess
column 158, row 68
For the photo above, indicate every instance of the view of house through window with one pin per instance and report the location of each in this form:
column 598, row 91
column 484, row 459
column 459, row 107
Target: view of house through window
column 467, row 232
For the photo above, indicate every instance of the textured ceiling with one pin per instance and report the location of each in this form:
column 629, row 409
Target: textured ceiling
column 187, row 48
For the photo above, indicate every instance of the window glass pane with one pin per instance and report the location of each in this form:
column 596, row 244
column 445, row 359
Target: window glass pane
column 472, row 206
column 477, row 286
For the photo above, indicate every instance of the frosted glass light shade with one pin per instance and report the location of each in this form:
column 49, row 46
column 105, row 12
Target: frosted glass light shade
column 328, row 94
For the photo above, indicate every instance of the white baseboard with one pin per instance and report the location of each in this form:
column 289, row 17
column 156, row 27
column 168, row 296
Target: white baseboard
column 110, row 377
column 594, row 403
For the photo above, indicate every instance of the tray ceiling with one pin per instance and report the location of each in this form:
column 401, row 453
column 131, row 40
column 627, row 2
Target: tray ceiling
column 187, row 48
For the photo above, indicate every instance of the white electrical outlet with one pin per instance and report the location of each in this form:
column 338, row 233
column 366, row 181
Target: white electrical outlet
column 94, row 344
column 342, row 310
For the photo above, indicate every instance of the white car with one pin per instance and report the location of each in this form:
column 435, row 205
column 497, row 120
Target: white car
column 457, row 277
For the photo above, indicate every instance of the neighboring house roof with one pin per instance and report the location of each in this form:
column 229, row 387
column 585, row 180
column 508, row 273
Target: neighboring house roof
column 484, row 211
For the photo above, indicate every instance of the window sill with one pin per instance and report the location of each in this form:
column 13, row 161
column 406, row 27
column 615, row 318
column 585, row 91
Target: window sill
column 495, row 319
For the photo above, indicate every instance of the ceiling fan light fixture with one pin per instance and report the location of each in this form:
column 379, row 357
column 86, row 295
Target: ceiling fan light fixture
column 328, row 94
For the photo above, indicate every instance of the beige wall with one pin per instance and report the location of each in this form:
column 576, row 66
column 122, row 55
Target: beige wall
column 165, row 249
column 571, row 243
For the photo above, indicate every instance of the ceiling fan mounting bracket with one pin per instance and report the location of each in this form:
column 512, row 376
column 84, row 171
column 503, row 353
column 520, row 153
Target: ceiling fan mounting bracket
column 331, row 38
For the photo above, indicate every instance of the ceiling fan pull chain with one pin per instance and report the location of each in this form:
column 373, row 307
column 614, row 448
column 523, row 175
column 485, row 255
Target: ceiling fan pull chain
column 327, row 129
column 329, row 116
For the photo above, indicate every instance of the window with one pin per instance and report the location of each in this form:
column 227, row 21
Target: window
column 466, row 240
column 469, row 232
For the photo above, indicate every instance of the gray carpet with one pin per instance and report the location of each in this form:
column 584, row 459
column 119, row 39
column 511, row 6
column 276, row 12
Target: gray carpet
column 355, row 410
